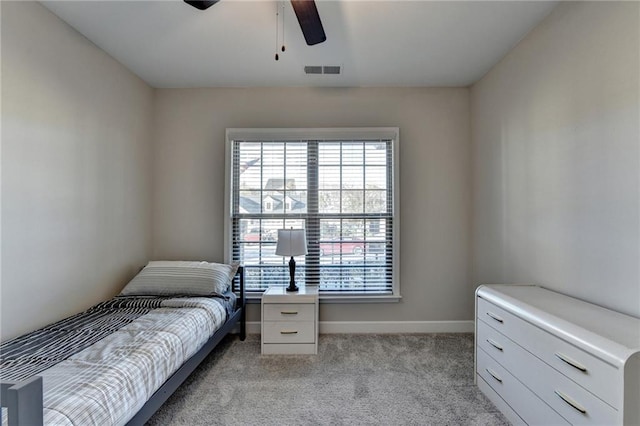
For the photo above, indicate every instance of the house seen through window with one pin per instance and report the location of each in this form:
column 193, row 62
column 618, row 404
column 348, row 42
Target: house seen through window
column 339, row 189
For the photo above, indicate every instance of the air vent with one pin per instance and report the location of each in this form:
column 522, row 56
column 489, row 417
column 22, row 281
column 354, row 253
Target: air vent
column 325, row 69
column 331, row 69
column 312, row 69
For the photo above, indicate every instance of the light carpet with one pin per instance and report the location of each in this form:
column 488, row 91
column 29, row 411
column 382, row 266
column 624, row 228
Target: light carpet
column 393, row 379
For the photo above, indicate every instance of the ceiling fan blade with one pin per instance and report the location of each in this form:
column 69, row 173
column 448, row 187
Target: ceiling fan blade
column 202, row 4
column 309, row 19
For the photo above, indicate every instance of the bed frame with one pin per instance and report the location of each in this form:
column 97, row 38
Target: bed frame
column 23, row 400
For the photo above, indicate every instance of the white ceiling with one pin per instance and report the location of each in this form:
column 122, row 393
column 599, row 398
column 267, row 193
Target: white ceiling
column 378, row 43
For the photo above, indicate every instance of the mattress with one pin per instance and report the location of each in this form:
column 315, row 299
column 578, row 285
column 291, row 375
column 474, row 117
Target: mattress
column 101, row 366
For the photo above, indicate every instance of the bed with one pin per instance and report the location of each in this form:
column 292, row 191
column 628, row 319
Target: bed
column 120, row 360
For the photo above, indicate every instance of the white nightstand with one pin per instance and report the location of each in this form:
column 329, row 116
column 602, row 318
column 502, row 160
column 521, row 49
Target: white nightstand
column 290, row 321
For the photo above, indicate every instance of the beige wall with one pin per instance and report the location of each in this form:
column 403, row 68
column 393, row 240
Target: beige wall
column 76, row 129
column 434, row 180
column 547, row 143
column 556, row 152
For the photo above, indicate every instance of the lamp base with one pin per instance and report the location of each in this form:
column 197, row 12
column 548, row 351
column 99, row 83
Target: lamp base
column 292, row 274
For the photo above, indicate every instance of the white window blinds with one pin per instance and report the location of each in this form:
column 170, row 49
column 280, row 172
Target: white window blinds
column 341, row 191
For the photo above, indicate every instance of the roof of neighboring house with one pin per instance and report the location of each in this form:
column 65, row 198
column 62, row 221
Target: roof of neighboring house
column 276, row 184
column 251, row 204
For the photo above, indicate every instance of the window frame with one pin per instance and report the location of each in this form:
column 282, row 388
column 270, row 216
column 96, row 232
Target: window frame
column 296, row 134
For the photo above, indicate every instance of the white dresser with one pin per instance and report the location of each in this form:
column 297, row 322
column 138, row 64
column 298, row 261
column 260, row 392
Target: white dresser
column 548, row 359
column 290, row 321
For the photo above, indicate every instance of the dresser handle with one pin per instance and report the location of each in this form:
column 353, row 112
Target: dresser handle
column 495, row 317
column 289, row 332
column 494, row 375
column 288, row 312
column 495, row 345
column 571, row 362
column 571, row 402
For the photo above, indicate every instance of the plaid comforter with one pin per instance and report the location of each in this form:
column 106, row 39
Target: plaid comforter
column 100, row 367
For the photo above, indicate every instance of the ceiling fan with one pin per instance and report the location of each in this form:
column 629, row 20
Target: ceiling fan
column 306, row 12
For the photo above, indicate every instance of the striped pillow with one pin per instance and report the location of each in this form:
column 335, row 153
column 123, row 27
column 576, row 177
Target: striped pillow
column 170, row 278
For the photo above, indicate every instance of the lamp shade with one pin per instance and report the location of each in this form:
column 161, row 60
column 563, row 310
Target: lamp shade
column 291, row 242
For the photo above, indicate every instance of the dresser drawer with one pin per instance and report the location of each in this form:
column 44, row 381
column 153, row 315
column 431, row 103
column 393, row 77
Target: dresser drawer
column 498, row 346
column 528, row 406
column 289, row 311
column 590, row 372
column 562, row 394
column 289, row 332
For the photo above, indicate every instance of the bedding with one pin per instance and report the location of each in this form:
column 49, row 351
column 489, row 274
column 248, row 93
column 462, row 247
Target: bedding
column 101, row 366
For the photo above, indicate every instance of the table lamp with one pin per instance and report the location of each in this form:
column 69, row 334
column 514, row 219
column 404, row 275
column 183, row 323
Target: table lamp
column 291, row 242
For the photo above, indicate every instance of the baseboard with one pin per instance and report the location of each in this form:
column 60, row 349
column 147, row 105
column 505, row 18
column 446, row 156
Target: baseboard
column 337, row 327
column 384, row 327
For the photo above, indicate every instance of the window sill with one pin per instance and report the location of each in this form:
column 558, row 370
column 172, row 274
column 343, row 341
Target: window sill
column 332, row 298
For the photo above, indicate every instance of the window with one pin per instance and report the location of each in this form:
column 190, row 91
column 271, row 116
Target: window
column 338, row 184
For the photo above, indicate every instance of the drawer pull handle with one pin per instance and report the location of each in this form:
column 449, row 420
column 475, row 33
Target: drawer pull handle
column 494, row 375
column 571, row 362
column 289, row 332
column 288, row 312
column 495, row 345
column 571, row 402
column 495, row 317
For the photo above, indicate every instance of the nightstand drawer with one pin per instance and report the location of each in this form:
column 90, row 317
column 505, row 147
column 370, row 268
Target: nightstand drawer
column 289, row 311
column 289, row 332
column 289, row 321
